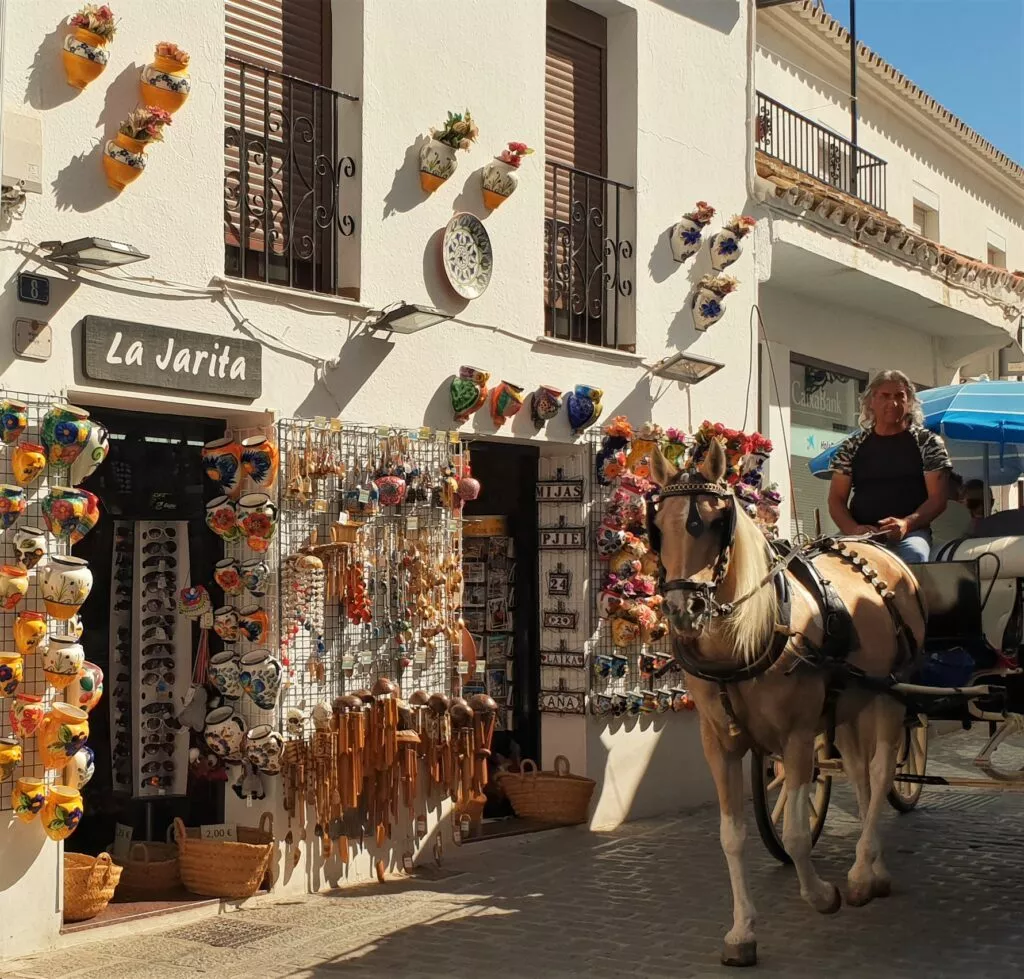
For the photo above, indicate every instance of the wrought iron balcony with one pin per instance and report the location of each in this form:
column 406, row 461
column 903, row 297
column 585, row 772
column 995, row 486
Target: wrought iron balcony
column 588, row 258
column 284, row 192
column 820, row 153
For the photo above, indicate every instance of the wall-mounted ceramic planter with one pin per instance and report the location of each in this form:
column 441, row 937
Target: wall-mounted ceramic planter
column 84, row 57
column 437, row 164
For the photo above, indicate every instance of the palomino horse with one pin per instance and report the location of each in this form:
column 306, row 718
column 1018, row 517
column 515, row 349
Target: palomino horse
column 766, row 673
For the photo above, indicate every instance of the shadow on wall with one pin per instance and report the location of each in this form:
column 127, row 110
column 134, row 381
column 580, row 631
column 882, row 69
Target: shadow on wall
column 405, row 192
column 361, row 354
column 719, row 15
column 435, row 280
column 471, row 197
column 47, row 87
column 120, row 97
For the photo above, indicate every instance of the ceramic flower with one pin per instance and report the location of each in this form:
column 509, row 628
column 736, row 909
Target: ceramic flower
column 258, row 524
column 146, row 124
column 459, row 131
column 223, row 519
column 513, row 154
column 165, row 49
column 701, row 214
column 29, row 803
column 6, row 673
column 96, row 18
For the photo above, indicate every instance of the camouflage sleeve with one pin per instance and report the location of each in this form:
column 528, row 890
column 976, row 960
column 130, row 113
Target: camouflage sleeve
column 842, row 458
column 933, row 451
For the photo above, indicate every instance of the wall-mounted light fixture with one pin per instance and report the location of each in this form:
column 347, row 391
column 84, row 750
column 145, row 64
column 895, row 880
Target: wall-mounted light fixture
column 688, row 368
column 403, row 317
column 92, row 253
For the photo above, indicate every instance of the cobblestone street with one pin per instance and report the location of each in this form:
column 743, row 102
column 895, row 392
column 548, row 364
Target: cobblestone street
column 651, row 899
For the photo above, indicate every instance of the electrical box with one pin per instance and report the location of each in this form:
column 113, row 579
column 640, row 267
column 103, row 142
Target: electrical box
column 23, row 152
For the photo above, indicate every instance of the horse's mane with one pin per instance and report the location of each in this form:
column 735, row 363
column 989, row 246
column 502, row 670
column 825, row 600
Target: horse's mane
column 749, row 629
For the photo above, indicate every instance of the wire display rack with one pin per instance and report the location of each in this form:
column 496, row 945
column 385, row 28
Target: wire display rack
column 33, row 681
column 384, row 609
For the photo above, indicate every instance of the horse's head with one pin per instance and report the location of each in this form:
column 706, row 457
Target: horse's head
column 696, row 521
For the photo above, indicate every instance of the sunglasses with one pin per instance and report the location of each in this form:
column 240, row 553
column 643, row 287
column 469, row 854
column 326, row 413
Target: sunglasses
column 158, row 662
column 160, row 724
column 156, row 679
column 156, row 604
column 158, row 749
column 162, row 577
column 160, row 561
column 159, row 547
column 158, row 648
column 155, row 767
column 155, row 533
column 157, row 709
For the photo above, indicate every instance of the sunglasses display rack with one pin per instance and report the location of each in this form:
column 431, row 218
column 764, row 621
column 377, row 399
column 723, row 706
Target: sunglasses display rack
column 161, row 658
column 333, row 481
column 33, row 680
column 122, row 578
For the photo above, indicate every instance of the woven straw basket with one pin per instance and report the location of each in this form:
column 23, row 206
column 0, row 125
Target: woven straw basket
column 219, row 869
column 89, row 884
column 553, row 797
column 150, row 870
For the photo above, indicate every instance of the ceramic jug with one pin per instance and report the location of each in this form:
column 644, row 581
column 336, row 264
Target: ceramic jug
column 255, row 577
column 27, row 798
column 12, row 504
column 65, row 583
column 257, row 517
column 222, row 460
column 63, row 507
column 62, row 734
column 260, row 460
column 13, row 420
column 224, row 733
column 12, row 672
column 222, row 519
column 13, row 586
column 10, row 757
column 89, row 517
column 95, row 450
column 226, row 574
column 253, row 623
column 222, row 673
column 26, row 714
column 260, row 677
column 28, row 460
column 61, row 812
column 62, row 660
column 65, row 431
column 263, row 748
column 30, row 546
column 90, row 682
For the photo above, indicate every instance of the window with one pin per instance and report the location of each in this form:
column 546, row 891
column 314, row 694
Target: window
column 996, row 257
column 926, row 221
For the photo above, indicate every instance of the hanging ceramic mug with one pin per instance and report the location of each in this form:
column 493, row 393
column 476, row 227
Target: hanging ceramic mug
column 12, row 672
column 224, row 733
column 260, row 460
column 13, row 420
column 263, row 749
column 226, row 574
column 65, row 431
column 63, row 507
column 62, row 812
column 13, row 586
column 26, row 714
column 222, row 519
column 95, row 450
column 65, row 583
column 222, row 460
column 89, row 517
column 10, row 757
column 12, row 504
column 63, row 658
column 28, row 460
column 257, row 517
column 253, row 624
column 225, row 623
column 30, row 546
column 85, row 763
column 62, row 734
column 90, row 681
column 222, row 673
column 27, row 798
column 260, row 676
column 255, row 577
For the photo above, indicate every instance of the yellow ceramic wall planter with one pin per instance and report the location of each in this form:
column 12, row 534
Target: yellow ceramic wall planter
column 10, row 757
column 165, row 83
column 85, row 57
column 124, row 159
column 27, row 798
column 61, row 812
column 63, row 733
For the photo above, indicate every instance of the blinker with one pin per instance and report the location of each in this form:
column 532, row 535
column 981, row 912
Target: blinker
column 694, row 523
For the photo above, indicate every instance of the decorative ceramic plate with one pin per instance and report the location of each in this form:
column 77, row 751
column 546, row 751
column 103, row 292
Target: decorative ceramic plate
column 467, row 256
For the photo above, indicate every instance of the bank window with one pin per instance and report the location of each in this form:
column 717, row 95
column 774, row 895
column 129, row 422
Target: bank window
column 824, row 406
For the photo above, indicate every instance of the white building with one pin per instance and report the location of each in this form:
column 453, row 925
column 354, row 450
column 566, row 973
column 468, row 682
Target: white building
column 625, row 102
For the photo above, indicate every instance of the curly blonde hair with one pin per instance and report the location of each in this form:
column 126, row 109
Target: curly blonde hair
column 914, row 410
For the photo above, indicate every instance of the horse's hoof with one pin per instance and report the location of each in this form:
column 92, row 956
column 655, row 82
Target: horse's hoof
column 881, row 887
column 835, row 904
column 742, row 955
column 859, row 895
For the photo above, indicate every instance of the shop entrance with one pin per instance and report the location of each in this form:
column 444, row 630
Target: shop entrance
column 500, row 603
column 151, row 541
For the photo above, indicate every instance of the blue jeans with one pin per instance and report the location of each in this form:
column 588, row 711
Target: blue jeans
column 914, row 548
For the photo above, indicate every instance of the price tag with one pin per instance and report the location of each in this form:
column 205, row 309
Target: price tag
column 343, row 517
column 412, row 523
column 420, row 657
column 348, row 662
column 364, row 496
column 122, row 840
column 463, row 667
column 320, row 421
column 383, row 432
column 453, row 525
column 413, row 435
column 221, row 832
column 365, row 657
column 335, row 424
column 440, row 436
column 248, row 802
column 453, row 437
column 319, row 506
column 425, row 433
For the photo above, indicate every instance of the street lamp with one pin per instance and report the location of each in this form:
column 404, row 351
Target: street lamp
column 403, row 317
column 92, row 253
column 688, row 368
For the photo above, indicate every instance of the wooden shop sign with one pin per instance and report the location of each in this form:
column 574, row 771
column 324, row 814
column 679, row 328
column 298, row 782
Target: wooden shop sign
column 562, row 702
column 562, row 657
column 560, row 491
column 141, row 355
column 563, row 537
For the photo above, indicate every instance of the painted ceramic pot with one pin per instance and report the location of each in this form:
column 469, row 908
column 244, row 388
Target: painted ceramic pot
column 584, row 407
column 30, row 546
column 725, row 249
column 85, row 762
column 65, row 583
column 62, row 734
column 264, row 748
column 90, row 681
column 468, row 391
column 10, row 757
column 12, row 504
column 260, row 676
column 12, row 672
column 225, row 623
column 27, row 461
column 26, row 714
column 62, row 508
column 609, row 540
column 506, row 400
column 85, row 56
column 255, row 577
column 222, row 673
column 226, row 574
column 545, row 403
column 165, row 83
column 124, row 159
column 62, row 811
column 500, row 180
column 89, row 518
column 608, row 603
column 63, row 659
column 13, row 586
column 75, row 627
column 625, row 631
column 27, row 798
column 437, row 164
column 95, row 450
column 391, row 490
column 65, row 431
column 222, row 460
column 13, row 420
column 708, row 308
column 222, row 519
column 260, row 460
column 224, row 733
column 257, row 518
column 253, row 624
column 686, row 239
column 469, row 488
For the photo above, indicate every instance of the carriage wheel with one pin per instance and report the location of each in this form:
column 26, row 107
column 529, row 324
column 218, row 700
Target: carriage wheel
column 911, row 759
column 769, row 791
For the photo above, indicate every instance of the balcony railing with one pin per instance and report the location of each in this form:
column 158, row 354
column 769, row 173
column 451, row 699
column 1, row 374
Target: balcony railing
column 820, row 153
column 284, row 200
column 588, row 258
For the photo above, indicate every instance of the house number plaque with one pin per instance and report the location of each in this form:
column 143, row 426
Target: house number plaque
column 559, row 618
column 563, row 537
column 562, row 702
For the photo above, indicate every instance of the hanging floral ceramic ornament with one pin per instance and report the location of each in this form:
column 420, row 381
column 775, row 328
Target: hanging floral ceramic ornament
column 85, row 55
column 545, row 403
column 725, row 246
column 437, row 156
column 506, row 400
column 686, row 235
column 468, row 392
column 469, row 486
column 165, row 81
column 645, row 441
column 500, row 178
column 675, row 446
column 709, row 299
column 194, row 602
column 611, row 457
column 584, row 407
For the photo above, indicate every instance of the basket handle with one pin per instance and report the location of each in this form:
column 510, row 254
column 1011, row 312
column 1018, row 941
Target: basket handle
column 561, row 765
column 268, row 818
column 180, row 835
column 136, row 847
column 528, row 767
column 102, row 863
